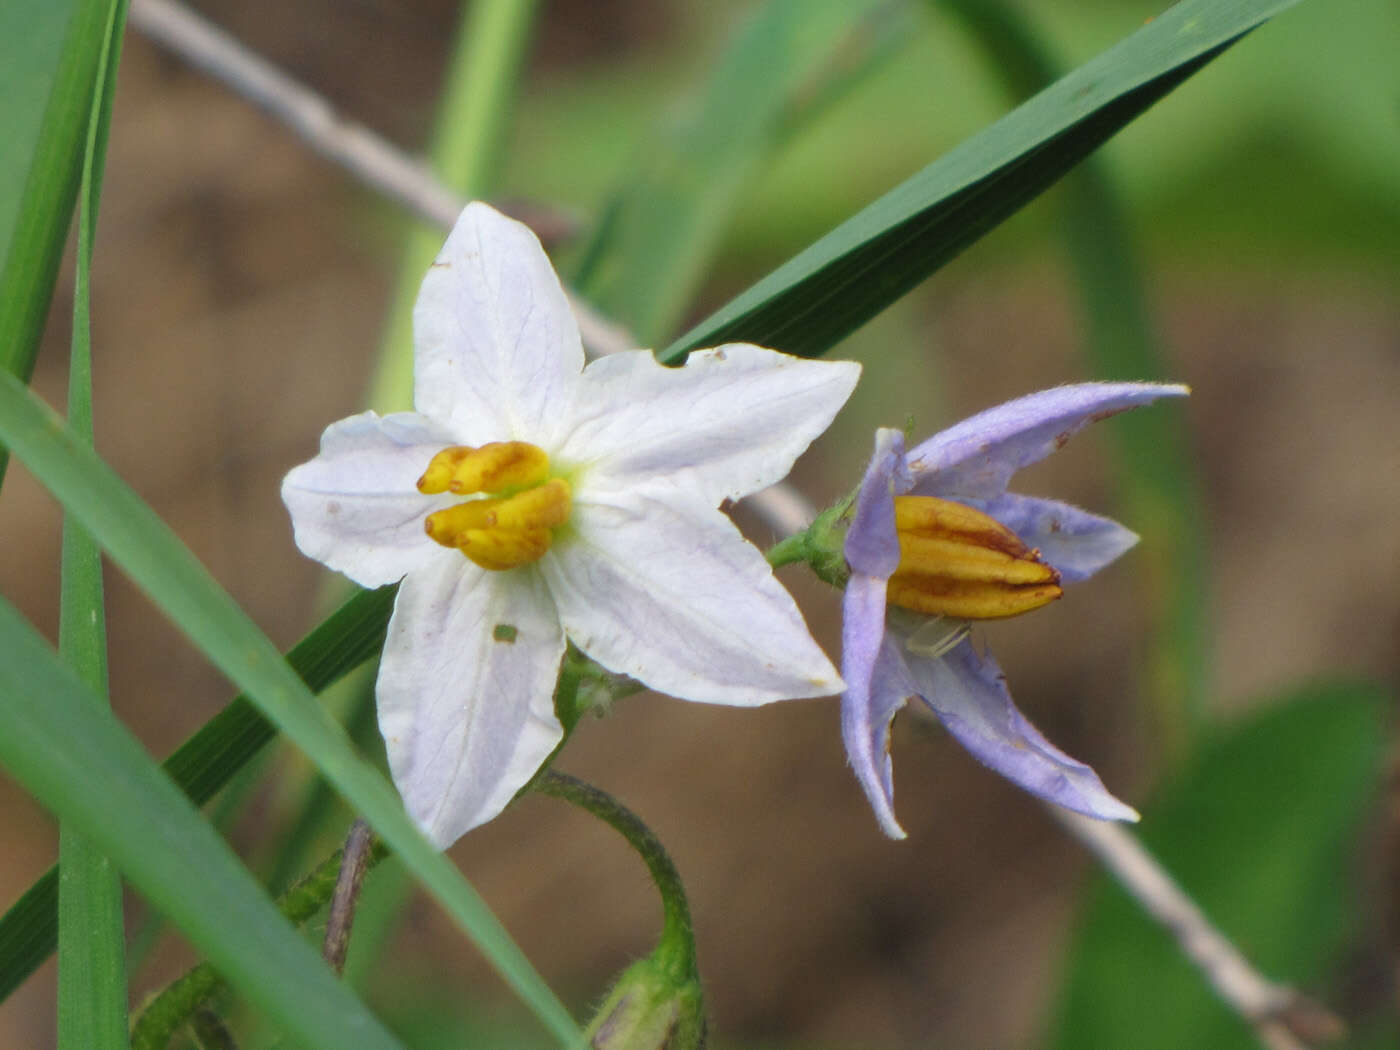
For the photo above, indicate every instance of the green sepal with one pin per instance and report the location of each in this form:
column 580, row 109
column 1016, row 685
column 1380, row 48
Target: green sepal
column 651, row 1007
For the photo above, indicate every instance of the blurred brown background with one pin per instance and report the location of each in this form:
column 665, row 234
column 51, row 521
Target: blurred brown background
column 240, row 284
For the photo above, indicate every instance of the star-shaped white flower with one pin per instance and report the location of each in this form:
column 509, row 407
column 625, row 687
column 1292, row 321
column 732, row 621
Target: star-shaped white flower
column 530, row 500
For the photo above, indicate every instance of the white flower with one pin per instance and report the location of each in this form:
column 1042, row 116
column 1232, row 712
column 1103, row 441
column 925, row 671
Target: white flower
column 565, row 502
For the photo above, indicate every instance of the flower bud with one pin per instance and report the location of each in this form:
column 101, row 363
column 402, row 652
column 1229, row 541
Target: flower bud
column 650, row 1008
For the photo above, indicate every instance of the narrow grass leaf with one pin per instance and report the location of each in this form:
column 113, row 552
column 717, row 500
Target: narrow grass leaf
column 869, row 261
column 92, row 935
column 49, row 52
column 206, row 762
column 145, row 548
column 63, row 745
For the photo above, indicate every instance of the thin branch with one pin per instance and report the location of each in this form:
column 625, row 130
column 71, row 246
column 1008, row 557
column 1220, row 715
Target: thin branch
column 383, row 167
column 1281, row 1017
column 355, row 861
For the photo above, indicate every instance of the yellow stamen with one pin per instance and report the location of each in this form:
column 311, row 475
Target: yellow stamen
column 494, row 467
column 502, row 532
column 958, row 562
column 500, row 550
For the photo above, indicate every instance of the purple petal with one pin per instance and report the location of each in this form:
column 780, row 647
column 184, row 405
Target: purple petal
column 968, row 694
column 1076, row 543
column 877, row 686
column 872, row 546
column 974, row 459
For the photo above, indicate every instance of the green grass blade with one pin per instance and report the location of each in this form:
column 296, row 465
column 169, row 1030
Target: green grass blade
column 649, row 255
column 866, row 263
column 1159, row 483
column 65, row 748
column 206, row 762
column 92, row 942
column 48, row 58
column 145, row 548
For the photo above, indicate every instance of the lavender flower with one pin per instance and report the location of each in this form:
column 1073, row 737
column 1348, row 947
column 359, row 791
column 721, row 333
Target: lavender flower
column 938, row 542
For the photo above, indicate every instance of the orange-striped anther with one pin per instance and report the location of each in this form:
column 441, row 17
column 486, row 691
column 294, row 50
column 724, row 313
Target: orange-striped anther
column 957, row 562
column 498, row 531
column 494, row 467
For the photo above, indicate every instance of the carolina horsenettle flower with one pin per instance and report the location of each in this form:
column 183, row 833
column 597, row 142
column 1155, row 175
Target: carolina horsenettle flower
column 937, row 543
column 529, row 500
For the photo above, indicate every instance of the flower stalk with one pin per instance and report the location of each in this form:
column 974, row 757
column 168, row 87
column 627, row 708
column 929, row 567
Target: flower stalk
column 675, row 949
column 657, row 1003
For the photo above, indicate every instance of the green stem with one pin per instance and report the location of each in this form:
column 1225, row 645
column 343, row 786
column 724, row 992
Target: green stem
column 675, row 950
column 785, row 552
column 179, row 1000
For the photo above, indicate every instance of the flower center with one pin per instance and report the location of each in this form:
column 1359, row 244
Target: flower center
column 960, row 563
column 517, row 505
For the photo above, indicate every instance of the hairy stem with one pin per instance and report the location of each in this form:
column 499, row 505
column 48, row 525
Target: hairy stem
column 675, row 949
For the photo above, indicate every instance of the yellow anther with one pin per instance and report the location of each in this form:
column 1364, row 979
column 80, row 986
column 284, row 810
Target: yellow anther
column 958, row 562
column 494, row 467
column 495, row 549
column 504, row 532
column 543, row 507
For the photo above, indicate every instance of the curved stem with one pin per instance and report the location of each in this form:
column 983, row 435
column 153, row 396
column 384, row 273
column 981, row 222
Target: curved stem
column 676, row 948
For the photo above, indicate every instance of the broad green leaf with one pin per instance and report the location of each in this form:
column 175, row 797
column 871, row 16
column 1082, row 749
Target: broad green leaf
column 1261, row 828
column 869, row 261
column 92, row 934
column 66, row 749
column 1160, row 485
column 207, row 761
column 649, row 254
column 145, row 548
column 48, row 60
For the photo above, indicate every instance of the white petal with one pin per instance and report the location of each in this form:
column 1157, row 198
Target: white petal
column 673, row 595
column 731, row 419
column 466, row 691
column 1076, row 543
column 497, row 350
column 355, row 506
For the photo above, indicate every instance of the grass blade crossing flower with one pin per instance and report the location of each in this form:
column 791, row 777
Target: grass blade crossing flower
column 529, row 500
column 937, row 542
